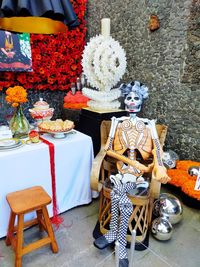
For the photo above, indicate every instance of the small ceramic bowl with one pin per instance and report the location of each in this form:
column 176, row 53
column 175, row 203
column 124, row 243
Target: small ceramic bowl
column 41, row 111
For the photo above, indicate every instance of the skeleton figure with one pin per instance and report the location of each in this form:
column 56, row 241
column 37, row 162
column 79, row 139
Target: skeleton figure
column 127, row 136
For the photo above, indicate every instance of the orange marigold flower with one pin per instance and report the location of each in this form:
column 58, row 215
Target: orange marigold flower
column 14, row 105
column 186, row 164
column 16, row 95
column 181, row 178
column 188, row 188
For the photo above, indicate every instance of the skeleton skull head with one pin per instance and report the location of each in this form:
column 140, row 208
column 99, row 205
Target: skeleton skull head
column 133, row 102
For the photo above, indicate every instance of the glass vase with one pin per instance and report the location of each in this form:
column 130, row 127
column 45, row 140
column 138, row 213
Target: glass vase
column 19, row 124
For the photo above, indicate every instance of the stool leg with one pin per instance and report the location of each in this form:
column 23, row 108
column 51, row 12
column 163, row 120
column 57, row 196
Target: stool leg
column 50, row 232
column 19, row 246
column 10, row 228
column 39, row 218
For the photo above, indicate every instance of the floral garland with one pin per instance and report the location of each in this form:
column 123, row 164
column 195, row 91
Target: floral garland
column 181, row 178
column 102, row 96
column 104, row 62
column 56, row 58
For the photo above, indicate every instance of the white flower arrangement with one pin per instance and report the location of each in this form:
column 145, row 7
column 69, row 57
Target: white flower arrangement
column 104, row 63
column 104, row 106
column 101, row 96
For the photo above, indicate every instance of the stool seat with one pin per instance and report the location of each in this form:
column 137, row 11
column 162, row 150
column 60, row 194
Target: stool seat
column 27, row 200
column 22, row 202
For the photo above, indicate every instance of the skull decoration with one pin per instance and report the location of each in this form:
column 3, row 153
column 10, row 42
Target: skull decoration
column 135, row 93
column 133, row 102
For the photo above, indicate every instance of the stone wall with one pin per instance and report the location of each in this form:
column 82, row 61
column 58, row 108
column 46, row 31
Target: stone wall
column 166, row 60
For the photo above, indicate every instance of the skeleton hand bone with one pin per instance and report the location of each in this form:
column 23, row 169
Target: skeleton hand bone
column 160, row 174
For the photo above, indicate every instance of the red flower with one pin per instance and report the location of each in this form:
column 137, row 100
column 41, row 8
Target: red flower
column 73, row 66
column 56, row 59
column 41, row 70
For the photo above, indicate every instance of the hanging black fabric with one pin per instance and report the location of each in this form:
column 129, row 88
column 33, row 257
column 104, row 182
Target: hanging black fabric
column 57, row 10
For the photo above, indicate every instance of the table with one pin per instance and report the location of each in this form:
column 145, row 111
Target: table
column 29, row 166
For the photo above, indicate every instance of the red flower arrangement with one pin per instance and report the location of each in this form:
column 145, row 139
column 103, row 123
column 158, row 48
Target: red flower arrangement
column 56, row 58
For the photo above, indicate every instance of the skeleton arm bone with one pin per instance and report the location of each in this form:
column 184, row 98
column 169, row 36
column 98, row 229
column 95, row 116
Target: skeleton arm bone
column 114, row 123
column 130, row 162
column 159, row 170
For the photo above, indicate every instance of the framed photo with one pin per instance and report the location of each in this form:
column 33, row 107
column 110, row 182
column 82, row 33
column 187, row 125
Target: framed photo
column 15, row 51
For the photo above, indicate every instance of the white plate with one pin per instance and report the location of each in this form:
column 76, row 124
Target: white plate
column 18, row 144
column 7, row 142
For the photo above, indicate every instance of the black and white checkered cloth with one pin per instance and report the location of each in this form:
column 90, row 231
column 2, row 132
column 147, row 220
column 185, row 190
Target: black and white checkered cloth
column 120, row 203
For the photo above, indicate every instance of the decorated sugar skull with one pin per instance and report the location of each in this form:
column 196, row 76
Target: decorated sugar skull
column 135, row 93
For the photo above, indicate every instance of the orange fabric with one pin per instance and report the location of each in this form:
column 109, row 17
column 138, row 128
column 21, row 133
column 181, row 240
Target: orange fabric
column 38, row 25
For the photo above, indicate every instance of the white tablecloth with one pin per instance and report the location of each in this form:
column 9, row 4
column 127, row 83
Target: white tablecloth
column 29, row 166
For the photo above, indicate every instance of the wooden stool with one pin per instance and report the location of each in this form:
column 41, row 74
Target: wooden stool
column 22, row 202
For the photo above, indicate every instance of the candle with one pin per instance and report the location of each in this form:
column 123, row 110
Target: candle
column 105, row 27
column 78, row 84
column 82, row 80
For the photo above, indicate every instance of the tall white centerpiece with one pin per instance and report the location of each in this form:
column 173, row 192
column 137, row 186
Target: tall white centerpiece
column 104, row 64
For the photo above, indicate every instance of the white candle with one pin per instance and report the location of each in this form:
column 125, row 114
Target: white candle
column 105, row 27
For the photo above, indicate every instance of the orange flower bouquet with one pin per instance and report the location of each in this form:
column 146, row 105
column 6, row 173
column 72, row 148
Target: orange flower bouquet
column 19, row 125
column 16, row 95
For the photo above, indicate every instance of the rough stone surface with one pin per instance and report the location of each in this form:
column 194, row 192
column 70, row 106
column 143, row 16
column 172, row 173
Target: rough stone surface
column 166, row 60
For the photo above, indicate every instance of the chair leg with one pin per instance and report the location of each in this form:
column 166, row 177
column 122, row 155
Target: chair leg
column 50, row 232
column 10, row 228
column 19, row 245
column 39, row 218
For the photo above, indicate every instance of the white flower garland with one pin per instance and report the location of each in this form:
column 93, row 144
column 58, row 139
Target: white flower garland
column 104, row 63
column 104, row 106
column 102, row 96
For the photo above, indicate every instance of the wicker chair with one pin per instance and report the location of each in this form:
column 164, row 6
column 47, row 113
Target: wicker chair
column 103, row 167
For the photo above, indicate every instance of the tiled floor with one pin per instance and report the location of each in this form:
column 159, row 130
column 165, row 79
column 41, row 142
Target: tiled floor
column 76, row 244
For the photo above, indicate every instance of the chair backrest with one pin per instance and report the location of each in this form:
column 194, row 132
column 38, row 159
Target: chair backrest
column 105, row 129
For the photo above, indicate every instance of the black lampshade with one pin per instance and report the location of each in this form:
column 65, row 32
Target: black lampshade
column 57, row 12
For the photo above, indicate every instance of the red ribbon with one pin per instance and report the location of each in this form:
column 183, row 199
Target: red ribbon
column 55, row 219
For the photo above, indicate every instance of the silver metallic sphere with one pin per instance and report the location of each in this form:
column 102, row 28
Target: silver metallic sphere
column 194, row 170
column 156, row 208
column 161, row 229
column 170, row 208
